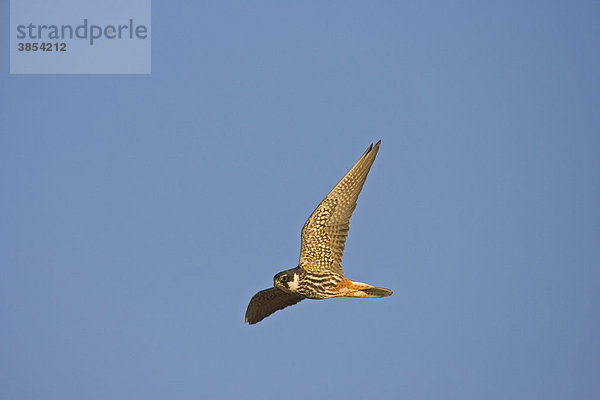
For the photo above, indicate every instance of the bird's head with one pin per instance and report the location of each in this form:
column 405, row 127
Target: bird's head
column 287, row 280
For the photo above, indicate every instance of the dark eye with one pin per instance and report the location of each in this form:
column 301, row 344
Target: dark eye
column 284, row 278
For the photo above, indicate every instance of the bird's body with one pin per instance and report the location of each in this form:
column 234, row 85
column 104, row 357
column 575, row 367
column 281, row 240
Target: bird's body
column 319, row 274
column 325, row 285
column 312, row 286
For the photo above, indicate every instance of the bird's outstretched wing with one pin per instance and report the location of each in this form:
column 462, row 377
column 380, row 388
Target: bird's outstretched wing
column 324, row 233
column 266, row 302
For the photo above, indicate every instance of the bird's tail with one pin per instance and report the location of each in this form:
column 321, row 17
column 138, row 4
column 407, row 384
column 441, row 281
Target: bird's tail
column 359, row 289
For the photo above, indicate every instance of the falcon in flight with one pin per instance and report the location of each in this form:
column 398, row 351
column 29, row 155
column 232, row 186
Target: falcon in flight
column 319, row 274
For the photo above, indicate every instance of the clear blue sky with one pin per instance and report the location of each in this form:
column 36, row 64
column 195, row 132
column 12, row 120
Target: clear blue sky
column 139, row 214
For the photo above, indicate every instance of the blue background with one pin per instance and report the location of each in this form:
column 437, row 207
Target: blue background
column 139, row 214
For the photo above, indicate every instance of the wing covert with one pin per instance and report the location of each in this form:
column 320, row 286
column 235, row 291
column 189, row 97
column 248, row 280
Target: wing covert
column 324, row 233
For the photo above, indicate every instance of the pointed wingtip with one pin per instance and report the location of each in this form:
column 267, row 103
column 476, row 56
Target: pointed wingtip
column 373, row 147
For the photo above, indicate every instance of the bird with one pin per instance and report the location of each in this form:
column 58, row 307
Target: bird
column 319, row 273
